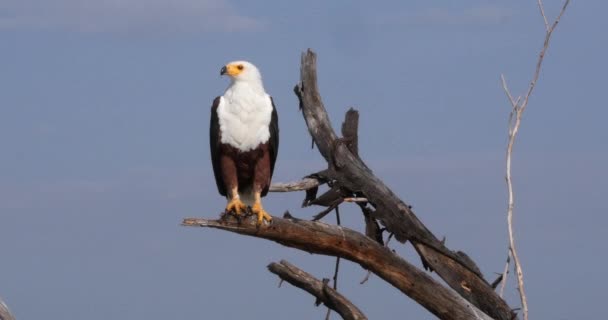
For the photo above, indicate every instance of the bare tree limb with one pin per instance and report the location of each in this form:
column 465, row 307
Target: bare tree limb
column 514, row 124
column 349, row 172
column 330, row 297
column 5, row 314
column 304, row 184
column 321, row 238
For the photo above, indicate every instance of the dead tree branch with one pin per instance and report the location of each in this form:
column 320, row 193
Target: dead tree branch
column 348, row 172
column 302, row 185
column 5, row 314
column 325, row 294
column 517, row 110
column 321, row 238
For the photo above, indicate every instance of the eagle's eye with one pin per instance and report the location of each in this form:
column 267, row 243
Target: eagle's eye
column 240, row 67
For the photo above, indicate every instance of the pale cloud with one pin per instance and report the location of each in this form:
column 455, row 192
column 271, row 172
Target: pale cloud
column 126, row 16
column 480, row 15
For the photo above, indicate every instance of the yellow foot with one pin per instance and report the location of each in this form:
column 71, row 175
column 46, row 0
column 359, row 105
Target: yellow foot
column 261, row 213
column 236, row 206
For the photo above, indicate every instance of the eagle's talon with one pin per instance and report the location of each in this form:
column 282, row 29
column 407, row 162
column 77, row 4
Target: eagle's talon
column 261, row 214
column 236, row 206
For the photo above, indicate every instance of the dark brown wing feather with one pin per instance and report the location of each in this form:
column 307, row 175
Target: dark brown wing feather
column 214, row 144
column 273, row 142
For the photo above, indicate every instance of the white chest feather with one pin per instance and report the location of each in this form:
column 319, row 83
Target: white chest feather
column 244, row 116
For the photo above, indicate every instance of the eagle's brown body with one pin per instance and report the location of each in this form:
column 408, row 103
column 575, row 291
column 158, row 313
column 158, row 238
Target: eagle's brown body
column 246, row 170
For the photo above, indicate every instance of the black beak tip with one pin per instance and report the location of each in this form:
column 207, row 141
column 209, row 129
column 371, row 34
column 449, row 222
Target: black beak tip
column 223, row 71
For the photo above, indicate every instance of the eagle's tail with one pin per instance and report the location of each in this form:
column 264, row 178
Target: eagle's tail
column 247, row 196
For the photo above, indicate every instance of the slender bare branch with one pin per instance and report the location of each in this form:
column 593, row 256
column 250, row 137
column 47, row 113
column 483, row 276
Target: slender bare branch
column 511, row 204
column 364, row 280
column 505, row 273
column 5, row 314
column 337, row 266
column 321, row 238
column 514, row 103
column 541, row 55
column 515, row 118
column 304, row 184
column 559, row 17
column 325, row 212
column 328, row 296
column 542, row 13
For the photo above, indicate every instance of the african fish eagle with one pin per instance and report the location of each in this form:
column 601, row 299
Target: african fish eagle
column 244, row 140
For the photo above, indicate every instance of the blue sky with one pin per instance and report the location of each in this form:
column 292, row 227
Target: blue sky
column 104, row 112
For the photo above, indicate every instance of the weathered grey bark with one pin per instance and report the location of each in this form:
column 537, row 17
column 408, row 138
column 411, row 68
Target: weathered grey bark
column 321, row 238
column 5, row 314
column 324, row 293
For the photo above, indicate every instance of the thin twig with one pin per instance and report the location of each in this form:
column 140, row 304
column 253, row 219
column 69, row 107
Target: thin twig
column 366, row 277
column 517, row 110
column 542, row 12
column 325, row 212
column 504, row 274
column 337, row 267
column 497, row 281
column 508, row 92
column 541, row 55
column 388, row 239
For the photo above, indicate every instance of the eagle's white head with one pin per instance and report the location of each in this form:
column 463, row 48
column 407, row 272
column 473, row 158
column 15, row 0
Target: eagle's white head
column 242, row 71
